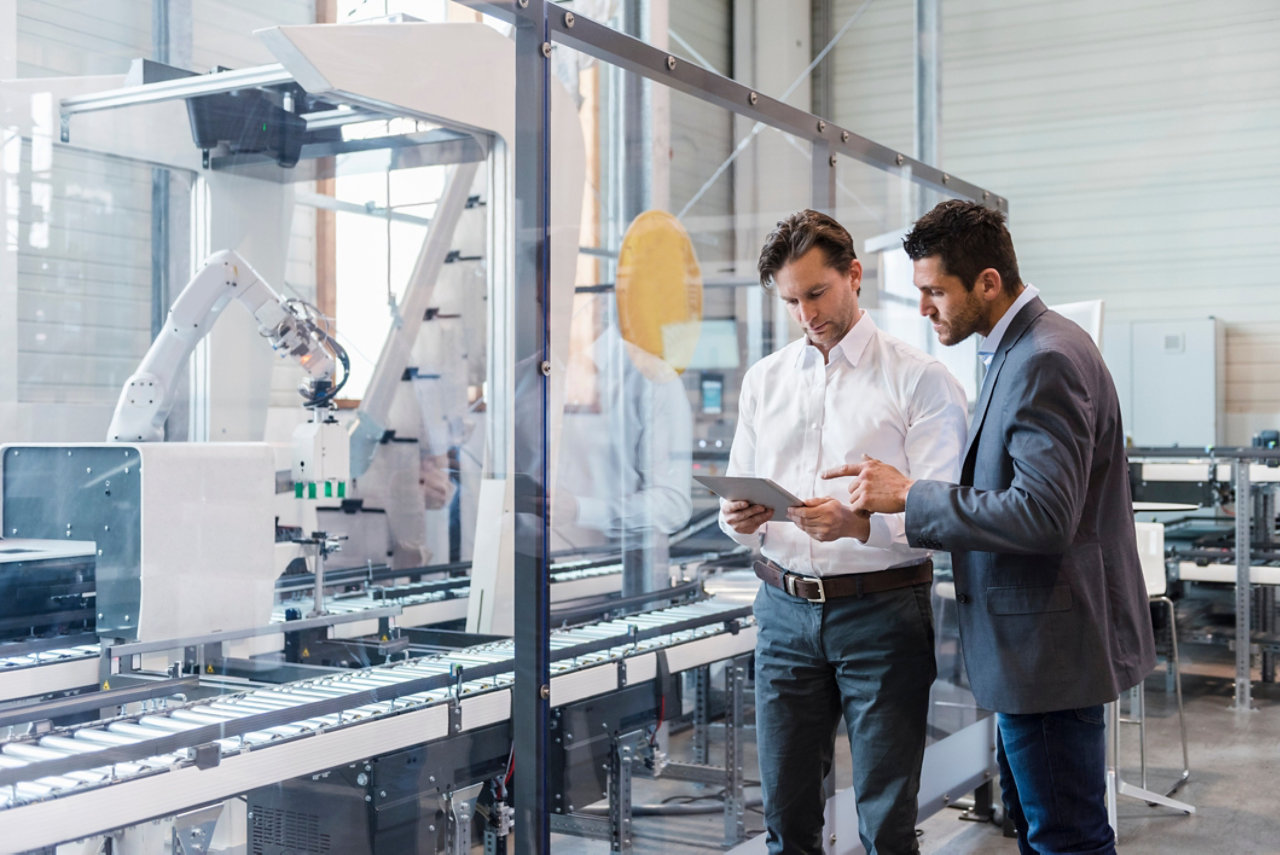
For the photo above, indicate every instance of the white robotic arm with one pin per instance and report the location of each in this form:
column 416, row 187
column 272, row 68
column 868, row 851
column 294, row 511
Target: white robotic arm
column 147, row 397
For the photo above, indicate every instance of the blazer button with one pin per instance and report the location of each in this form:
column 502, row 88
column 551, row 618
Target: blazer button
column 962, row 598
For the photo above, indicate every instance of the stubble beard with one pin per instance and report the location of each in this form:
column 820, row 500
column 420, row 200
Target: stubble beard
column 963, row 325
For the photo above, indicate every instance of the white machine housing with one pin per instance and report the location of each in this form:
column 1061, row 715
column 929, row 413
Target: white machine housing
column 203, row 525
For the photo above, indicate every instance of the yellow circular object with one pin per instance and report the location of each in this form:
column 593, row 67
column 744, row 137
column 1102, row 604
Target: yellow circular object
column 659, row 289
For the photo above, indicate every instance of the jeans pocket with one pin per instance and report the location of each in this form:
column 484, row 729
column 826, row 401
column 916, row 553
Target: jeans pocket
column 1090, row 715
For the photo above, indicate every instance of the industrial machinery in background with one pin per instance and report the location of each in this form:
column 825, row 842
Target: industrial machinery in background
column 174, row 691
column 1222, row 546
column 157, row 658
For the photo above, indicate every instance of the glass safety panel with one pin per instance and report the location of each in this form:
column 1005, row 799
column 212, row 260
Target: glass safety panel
column 879, row 207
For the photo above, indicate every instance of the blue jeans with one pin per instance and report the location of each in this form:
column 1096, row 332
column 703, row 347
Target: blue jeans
column 1053, row 776
column 869, row 659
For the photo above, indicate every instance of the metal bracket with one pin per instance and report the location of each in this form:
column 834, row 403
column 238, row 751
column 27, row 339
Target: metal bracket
column 455, row 716
column 620, row 761
column 459, row 805
column 193, row 832
column 207, row 756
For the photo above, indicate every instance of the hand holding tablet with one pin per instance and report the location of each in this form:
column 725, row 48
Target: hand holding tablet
column 757, row 491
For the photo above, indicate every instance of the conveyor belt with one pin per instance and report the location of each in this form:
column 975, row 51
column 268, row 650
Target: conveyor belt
column 46, row 671
column 87, row 779
column 58, row 670
column 417, row 609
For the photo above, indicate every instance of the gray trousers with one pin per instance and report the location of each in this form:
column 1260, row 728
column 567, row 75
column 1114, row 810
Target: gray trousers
column 869, row 659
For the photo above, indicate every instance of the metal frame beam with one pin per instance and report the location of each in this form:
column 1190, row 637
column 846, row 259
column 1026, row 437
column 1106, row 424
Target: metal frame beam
column 172, row 90
column 531, row 696
column 608, row 45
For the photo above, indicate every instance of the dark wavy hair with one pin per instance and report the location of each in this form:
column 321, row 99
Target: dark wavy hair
column 968, row 238
column 799, row 233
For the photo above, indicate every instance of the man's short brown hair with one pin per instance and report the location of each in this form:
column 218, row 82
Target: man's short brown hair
column 799, row 233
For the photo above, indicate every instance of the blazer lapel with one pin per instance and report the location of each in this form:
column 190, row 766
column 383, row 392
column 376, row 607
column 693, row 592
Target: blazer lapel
column 1017, row 327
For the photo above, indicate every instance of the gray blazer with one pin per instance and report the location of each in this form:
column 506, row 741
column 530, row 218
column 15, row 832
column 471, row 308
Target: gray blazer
column 1053, row 608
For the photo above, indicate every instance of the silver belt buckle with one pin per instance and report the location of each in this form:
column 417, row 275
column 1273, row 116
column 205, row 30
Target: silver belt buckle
column 789, row 585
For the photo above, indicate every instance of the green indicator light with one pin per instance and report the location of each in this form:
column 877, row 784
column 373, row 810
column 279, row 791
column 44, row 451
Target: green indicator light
column 311, row 490
column 342, row 489
column 297, row 489
column 264, row 127
column 328, row 489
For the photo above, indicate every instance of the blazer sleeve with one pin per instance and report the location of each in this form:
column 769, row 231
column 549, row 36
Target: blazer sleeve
column 1046, row 425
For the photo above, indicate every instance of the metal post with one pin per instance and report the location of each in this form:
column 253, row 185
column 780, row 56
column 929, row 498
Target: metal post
column 824, row 178
column 701, row 715
column 1244, row 611
column 637, row 165
column 530, row 704
column 1267, row 623
column 159, row 249
column 644, row 553
column 620, row 758
column 927, row 89
column 984, row 804
column 159, row 188
column 317, row 600
column 1264, row 596
column 928, row 80
column 822, row 78
column 735, row 675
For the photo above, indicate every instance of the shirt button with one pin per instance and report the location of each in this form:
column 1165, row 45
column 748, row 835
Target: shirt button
column 814, row 425
column 962, row 598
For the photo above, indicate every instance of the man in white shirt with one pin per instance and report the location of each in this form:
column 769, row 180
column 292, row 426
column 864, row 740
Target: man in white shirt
column 844, row 620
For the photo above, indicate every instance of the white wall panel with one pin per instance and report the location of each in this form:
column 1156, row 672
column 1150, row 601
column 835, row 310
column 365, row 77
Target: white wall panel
column 872, row 67
column 222, row 30
column 1135, row 140
column 71, row 37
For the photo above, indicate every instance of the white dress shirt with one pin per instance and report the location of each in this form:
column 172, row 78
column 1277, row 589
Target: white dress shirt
column 798, row 417
column 991, row 343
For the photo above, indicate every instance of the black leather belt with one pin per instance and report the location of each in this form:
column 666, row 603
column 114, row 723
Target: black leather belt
column 817, row 590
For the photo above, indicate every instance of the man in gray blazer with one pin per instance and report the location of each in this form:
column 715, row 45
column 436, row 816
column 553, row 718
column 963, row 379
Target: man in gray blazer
column 1053, row 609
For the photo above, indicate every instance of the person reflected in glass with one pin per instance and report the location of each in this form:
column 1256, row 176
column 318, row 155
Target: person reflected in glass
column 626, row 448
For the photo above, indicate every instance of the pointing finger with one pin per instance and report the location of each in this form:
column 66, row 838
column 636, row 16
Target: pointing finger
column 843, row 471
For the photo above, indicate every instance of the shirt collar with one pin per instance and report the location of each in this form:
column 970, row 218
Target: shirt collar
column 990, row 344
column 853, row 344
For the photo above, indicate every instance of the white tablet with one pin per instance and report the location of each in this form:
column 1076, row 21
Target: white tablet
column 757, row 491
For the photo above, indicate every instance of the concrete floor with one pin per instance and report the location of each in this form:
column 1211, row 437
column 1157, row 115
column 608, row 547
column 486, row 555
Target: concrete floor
column 1234, row 785
column 1235, row 773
